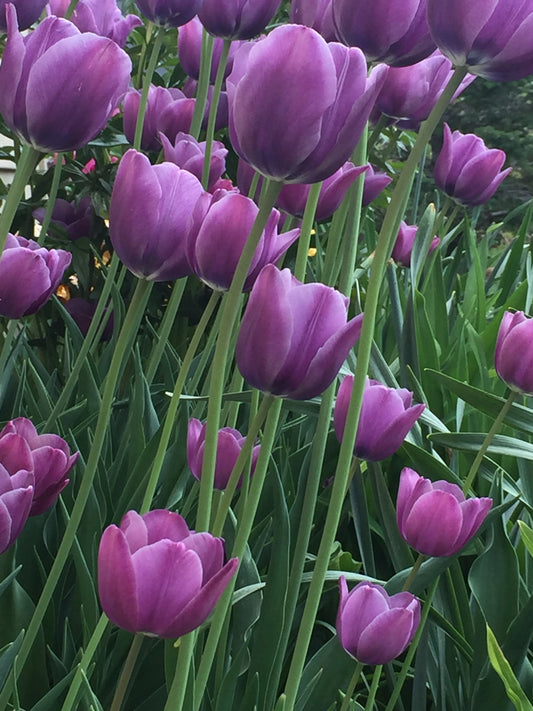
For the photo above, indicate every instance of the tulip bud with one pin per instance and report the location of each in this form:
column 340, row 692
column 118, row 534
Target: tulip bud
column 51, row 462
column 188, row 154
column 433, row 517
column 16, row 487
column 75, row 219
column 385, row 419
column 374, row 627
column 42, row 269
column 403, row 247
column 59, row 87
column 513, row 356
column 173, row 13
column 229, row 445
column 237, row 19
column 102, row 17
column 294, row 337
column 467, row 170
column 170, row 578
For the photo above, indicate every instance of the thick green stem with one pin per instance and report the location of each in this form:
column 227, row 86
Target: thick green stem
column 213, row 109
column 351, row 687
column 414, row 570
column 70, row 9
column 160, row 34
column 127, row 671
column 305, row 231
column 164, row 331
column 176, row 694
column 51, row 198
column 203, row 84
column 374, row 687
column 25, row 167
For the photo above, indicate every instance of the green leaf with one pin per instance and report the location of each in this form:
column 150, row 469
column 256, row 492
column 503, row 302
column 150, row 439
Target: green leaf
column 503, row 668
column 472, row 441
column 527, row 536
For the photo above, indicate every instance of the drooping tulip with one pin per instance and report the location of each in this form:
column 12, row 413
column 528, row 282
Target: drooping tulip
column 513, row 357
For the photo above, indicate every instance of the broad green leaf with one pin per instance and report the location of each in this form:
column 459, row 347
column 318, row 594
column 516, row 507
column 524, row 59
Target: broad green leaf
column 527, row 536
column 472, row 441
column 505, row 672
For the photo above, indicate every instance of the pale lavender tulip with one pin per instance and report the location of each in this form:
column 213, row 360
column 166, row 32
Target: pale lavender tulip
column 490, row 37
column 467, row 170
column 513, row 357
column 42, row 270
column 237, row 19
column 172, row 13
column 303, row 119
column 294, row 337
column 58, row 86
column 102, row 17
column 51, row 462
column 403, row 247
column 317, row 14
column 229, row 444
column 28, row 12
column 434, row 518
column 75, row 219
column 16, row 487
column 386, row 418
column 395, row 33
column 189, row 154
column 170, row 578
column 373, row 626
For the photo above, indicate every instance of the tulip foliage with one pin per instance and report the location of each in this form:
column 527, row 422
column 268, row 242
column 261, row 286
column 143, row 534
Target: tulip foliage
column 266, row 356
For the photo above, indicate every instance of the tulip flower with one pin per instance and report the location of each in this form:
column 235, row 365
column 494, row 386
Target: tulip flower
column 374, row 627
column 467, row 170
column 229, row 445
column 170, row 578
column 28, row 12
column 403, row 247
column 303, row 119
column 513, row 356
column 150, row 216
column 434, row 518
column 42, row 270
column 75, row 219
column 390, row 31
column 51, row 462
column 375, row 183
column 237, row 19
column 59, row 87
column 294, row 337
column 317, row 14
column 492, row 39
column 190, row 51
column 215, row 250
column 16, row 487
column 386, row 418
column 102, row 17
column 188, row 154
column 172, row 13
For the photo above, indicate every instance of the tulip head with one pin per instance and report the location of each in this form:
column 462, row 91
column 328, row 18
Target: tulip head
column 170, row 13
column 101, row 17
column 375, row 183
column 373, row 626
column 28, row 12
column 237, row 19
column 75, row 219
column 513, row 356
column 403, row 247
column 434, row 518
column 187, row 153
column 16, row 487
column 170, row 578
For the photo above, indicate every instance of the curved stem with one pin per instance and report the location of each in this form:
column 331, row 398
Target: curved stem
column 127, row 670
column 50, row 203
column 146, row 87
column 351, row 687
column 25, row 167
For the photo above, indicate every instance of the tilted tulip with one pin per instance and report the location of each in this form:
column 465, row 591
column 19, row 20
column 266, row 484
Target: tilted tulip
column 150, row 216
column 434, row 518
column 51, row 462
column 374, row 627
column 170, row 578
column 317, row 14
column 173, row 13
column 58, row 86
column 189, row 154
column 229, row 444
column 513, row 356
column 75, row 219
column 467, row 170
column 385, row 419
column 294, row 337
column 492, row 39
column 28, row 12
column 42, row 269
column 16, row 487
column 298, row 105
column 102, row 17
column 214, row 251
column 403, row 247
column 237, row 19
column 395, row 32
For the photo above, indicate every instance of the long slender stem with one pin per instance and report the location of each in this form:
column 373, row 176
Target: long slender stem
column 414, row 570
column 176, row 694
column 203, row 84
column 127, row 671
column 374, row 687
column 351, row 687
column 213, row 109
column 305, row 232
column 56, row 179
column 160, row 34
column 166, row 326
column 25, row 167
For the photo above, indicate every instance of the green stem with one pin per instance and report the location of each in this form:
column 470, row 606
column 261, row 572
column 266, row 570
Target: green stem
column 374, row 687
column 213, row 109
column 351, row 687
column 160, row 34
column 486, row 443
column 26, row 165
column 165, row 328
column 14, row 327
column 305, row 232
column 218, row 366
column 51, row 197
column 203, row 84
column 70, row 9
column 131, row 323
column 176, row 693
column 127, row 671
column 414, row 570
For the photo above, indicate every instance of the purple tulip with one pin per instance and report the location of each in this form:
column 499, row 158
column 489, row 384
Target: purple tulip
column 190, row 87
column 375, row 183
column 317, row 14
column 58, row 86
column 75, row 219
column 173, row 13
column 101, row 17
column 150, row 216
column 237, row 19
column 42, row 270
column 492, row 39
column 294, row 337
column 215, row 250
column 374, row 627
column 467, row 170
column 82, row 311
column 433, row 517
column 403, row 247
column 168, row 111
column 229, row 445
column 190, row 51
column 386, row 418
column 188, row 154
column 170, row 578
column 303, row 119
column 393, row 32
column 51, row 462
column 16, row 487
column 513, row 356
column 28, row 12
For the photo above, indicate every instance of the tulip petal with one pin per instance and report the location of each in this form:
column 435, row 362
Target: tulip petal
column 386, row 637
column 116, row 580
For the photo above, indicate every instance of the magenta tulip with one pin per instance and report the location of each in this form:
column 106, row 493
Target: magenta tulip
column 513, row 356
column 16, row 487
column 403, row 247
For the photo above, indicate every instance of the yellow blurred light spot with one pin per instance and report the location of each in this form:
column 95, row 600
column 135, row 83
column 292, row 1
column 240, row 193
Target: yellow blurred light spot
column 312, row 252
column 63, row 292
